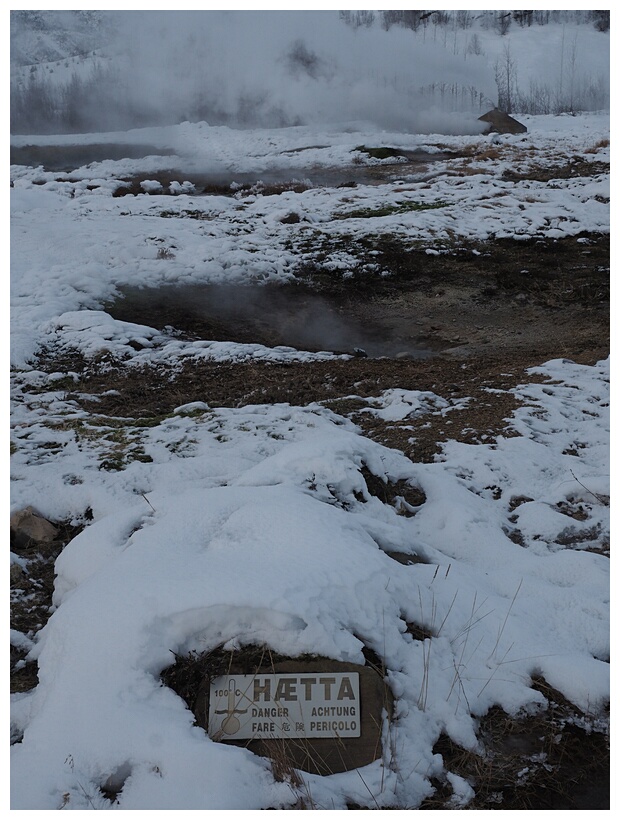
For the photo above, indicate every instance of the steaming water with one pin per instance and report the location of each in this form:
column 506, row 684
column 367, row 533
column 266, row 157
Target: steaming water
column 68, row 157
column 57, row 158
column 272, row 315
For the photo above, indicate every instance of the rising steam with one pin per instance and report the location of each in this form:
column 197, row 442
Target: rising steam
column 281, row 68
column 257, row 69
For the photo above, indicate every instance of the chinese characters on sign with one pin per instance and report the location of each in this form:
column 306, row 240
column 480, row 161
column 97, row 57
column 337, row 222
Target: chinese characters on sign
column 285, row 706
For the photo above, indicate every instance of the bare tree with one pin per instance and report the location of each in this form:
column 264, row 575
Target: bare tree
column 523, row 18
column 502, row 22
column 474, row 46
column 464, row 19
column 601, row 20
column 572, row 67
column 506, row 80
column 357, row 19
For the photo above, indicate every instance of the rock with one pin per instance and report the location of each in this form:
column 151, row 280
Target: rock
column 318, row 755
column 28, row 527
column 291, row 219
column 502, row 123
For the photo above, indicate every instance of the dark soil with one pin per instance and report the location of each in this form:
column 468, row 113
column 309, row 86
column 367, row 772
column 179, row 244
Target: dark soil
column 463, row 324
column 544, row 298
column 31, row 597
column 340, row 384
column 576, row 167
column 553, row 760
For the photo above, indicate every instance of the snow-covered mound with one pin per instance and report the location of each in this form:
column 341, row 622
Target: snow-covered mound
column 255, row 526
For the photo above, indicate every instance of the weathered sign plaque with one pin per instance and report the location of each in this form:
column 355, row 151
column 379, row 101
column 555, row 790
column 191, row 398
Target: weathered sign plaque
column 318, row 715
column 263, row 706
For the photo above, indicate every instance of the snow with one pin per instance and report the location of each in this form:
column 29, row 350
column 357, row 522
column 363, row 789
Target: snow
column 254, row 524
column 242, row 239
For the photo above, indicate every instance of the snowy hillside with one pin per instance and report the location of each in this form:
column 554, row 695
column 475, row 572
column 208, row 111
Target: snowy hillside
column 49, row 36
column 442, row 516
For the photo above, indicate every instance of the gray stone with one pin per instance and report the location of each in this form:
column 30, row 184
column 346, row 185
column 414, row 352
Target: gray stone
column 28, row 527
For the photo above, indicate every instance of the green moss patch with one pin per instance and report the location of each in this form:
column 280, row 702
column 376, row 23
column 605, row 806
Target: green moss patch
column 391, row 210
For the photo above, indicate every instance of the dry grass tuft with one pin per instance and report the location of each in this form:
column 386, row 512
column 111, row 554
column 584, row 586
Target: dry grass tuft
column 597, row 147
column 555, row 759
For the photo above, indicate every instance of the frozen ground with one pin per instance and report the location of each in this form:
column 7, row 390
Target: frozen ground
column 210, row 526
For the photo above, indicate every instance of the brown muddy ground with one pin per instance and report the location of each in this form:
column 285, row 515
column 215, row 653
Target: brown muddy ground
column 457, row 324
column 462, row 325
column 544, row 298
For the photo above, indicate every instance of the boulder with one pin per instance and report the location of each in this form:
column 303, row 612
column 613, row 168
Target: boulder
column 28, row 527
column 502, row 123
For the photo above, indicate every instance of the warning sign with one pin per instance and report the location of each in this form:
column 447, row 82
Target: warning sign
column 261, row 706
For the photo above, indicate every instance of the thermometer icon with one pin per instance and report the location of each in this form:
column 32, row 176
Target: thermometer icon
column 231, row 725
